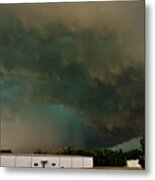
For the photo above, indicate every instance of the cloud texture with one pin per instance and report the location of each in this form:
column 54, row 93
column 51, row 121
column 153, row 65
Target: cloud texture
column 84, row 58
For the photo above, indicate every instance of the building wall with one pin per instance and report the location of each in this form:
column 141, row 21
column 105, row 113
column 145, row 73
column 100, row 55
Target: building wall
column 65, row 162
column 54, row 162
column 51, row 161
column 88, row 162
column 77, row 162
column 7, row 161
column 22, row 161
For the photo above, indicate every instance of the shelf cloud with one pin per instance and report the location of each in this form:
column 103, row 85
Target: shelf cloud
column 83, row 61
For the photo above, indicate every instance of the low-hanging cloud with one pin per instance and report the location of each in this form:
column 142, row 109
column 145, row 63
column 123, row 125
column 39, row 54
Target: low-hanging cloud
column 91, row 67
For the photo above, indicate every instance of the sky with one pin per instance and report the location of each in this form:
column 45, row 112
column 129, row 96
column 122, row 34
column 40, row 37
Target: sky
column 71, row 74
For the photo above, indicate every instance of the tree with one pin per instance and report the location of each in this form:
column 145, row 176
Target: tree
column 142, row 147
column 142, row 144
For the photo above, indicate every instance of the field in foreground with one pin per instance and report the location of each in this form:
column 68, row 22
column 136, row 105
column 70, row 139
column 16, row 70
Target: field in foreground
column 116, row 168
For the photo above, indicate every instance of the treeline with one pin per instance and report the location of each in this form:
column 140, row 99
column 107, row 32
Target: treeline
column 5, row 151
column 106, row 157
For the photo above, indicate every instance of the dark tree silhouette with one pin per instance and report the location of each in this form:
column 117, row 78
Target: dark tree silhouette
column 142, row 157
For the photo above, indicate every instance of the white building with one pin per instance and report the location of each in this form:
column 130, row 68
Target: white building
column 133, row 163
column 46, row 161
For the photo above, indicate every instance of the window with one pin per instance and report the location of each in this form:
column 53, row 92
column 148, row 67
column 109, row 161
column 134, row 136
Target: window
column 53, row 164
column 35, row 164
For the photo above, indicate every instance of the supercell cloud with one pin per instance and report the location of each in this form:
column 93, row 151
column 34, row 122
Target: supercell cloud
column 71, row 74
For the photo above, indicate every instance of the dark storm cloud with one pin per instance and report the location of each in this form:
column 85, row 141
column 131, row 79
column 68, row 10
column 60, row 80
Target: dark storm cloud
column 93, row 64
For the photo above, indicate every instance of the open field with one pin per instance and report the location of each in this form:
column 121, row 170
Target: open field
column 116, row 168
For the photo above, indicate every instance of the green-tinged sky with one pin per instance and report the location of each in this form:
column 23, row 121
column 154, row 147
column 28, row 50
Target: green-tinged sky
column 72, row 74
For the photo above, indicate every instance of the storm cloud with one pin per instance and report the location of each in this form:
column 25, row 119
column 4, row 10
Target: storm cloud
column 84, row 58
